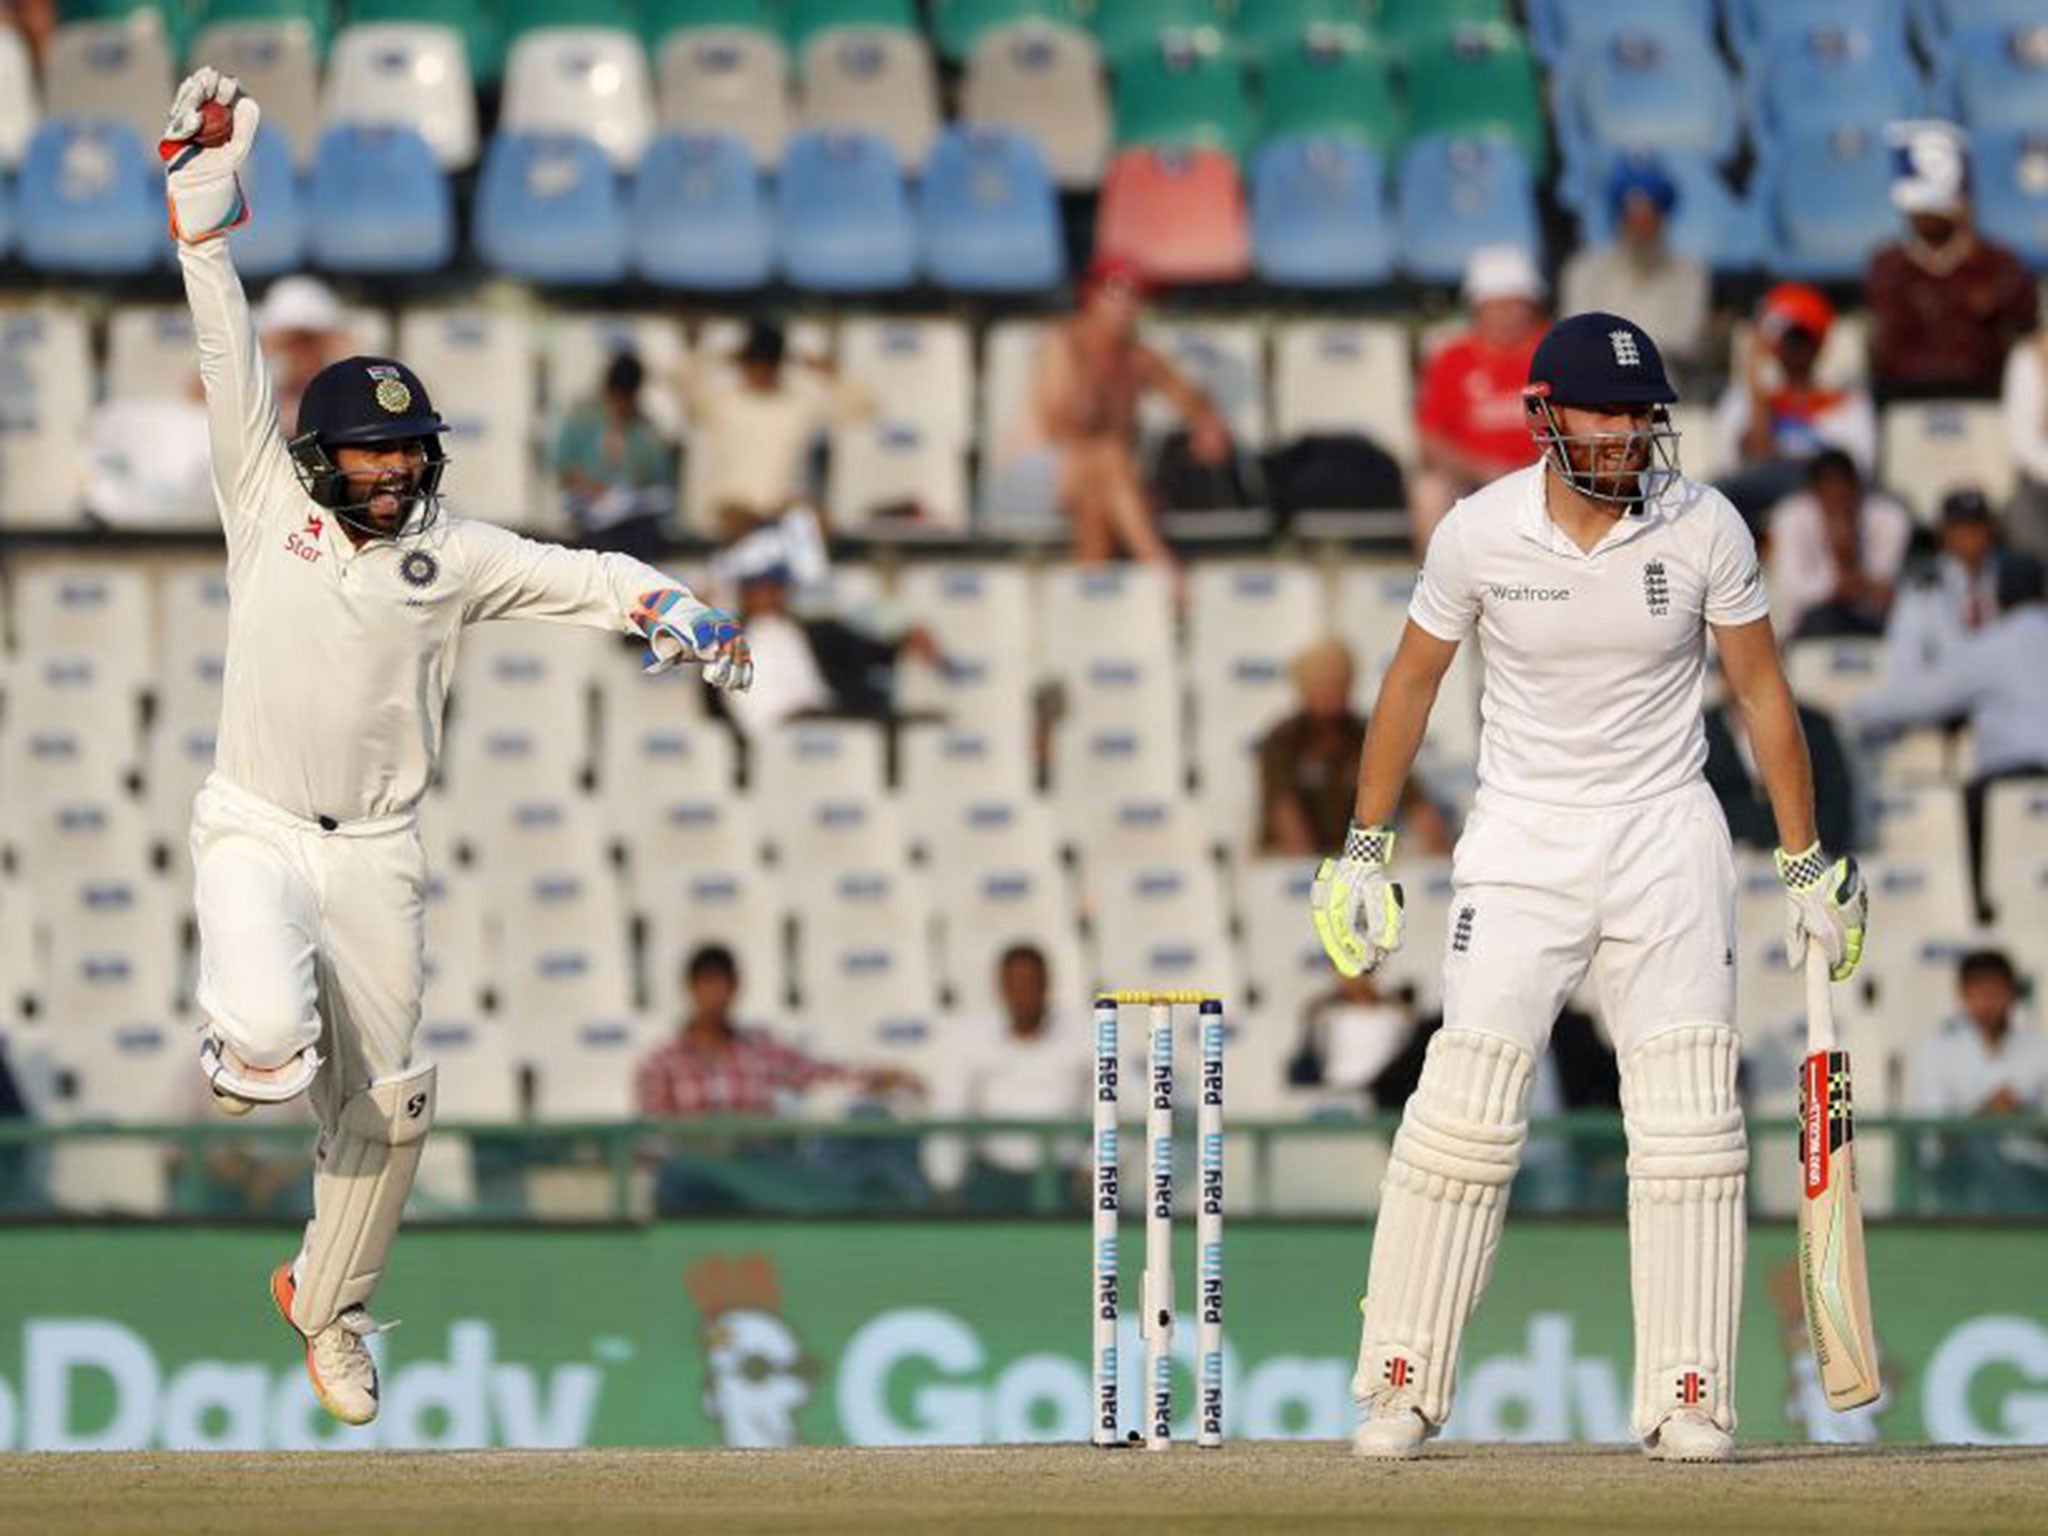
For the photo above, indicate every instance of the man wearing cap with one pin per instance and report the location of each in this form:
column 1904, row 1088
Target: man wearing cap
column 1468, row 410
column 1638, row 272
column 303, row 330
column 348, row 592
column 1951, row 593
column 1591, row 579
column 1945, row 304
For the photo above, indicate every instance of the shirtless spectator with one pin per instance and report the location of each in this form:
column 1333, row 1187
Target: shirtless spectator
column 1078, row 447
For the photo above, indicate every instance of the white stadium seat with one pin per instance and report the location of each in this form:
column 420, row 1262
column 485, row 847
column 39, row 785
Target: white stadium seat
column 1925, row 826
column 481, row 365
column 478, row 1081
column 514, row 838
column 150, row 351
column 728, row 80
column 1226, row 359
column 826, row 836
column 1831, row 675
column 110, row 946
column 1344, row 376
column 893, row 476
column 561, row 951
column 1044, row 80
column 588, row 81
column 71, row 823
column 876, row 80
column 102, row 609
column 586, row 1071
column 1091, row 612
column 947, row 769
column 1371, row 612
column 526, row 671
column 1932, row 447
column 1162, row 927
column 458, row 957
column 2016, row 855
column 46, row 379
column 110, row 69
column 406, row 74
column 278, row 64
column 132, row 1071
column 922, row 369
column 868, row 998
column 805, row 762
column 996, row 908
column 739, row 908
column 580, row 347
column 1284, row 968
column 19, row 112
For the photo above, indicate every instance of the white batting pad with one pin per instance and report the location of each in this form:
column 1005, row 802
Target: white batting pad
column 1440, row 1216
column 364, row 1171
column 1688, row 1159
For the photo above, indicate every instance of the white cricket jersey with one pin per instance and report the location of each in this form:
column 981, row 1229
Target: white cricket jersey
column 1594, row 661
column 338, row 658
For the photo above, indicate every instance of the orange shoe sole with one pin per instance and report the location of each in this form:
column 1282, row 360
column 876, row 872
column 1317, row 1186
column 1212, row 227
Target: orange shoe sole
column 282, row 1293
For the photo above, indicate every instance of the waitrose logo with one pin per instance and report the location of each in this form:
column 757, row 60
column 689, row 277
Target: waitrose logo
column 1522, row 592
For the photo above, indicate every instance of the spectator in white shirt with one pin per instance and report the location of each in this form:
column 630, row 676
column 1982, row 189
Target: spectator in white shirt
column 1983, row 1064
column 2026, row 432
column 1953, row 592
column 1637, row 273
column 1834, row 552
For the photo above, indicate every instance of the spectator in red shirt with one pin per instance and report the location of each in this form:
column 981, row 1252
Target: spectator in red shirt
column 1945, row 305
column 1470, row 413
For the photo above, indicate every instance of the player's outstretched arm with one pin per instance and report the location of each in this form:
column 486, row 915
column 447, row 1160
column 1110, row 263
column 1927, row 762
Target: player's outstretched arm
column 207, row 137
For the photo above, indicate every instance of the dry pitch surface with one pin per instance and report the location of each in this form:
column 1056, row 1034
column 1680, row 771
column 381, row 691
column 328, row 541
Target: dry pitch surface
column 1243, row 1490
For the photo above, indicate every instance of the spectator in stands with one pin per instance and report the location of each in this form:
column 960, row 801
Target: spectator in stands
column 1469, row 411
column 1637, row 273
column 1353, row 1035
column 617, row 470
column 1308, row 766
column 1950, row 592
column 1834, row 553
column 819, row 666
column 1996, row 678
column 35, row 20
column 148, row 465
column 757, row 421
column 1982, row 1064
column 1077, row 446
column 2026, row 429
column 1031, row 1069
column 1732, row 775
column 303, row 329
column 1780, row 415
column 716, row 1068
column 1945, row 304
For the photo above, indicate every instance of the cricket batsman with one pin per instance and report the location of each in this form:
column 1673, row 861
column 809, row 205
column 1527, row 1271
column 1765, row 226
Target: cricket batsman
column 348, row 592
column 1592, row 579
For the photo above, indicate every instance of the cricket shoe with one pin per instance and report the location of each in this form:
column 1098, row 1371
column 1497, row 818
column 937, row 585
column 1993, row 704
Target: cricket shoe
column 1689, row 1435
column 1391, row 1433
column 338, row 1358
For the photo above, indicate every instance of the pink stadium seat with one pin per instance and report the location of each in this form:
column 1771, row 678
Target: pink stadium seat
column 1178, row 213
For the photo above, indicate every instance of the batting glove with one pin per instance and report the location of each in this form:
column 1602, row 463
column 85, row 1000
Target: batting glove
column 201, row 181
column 1357, row 909
column 1826, row 903
column 679, row 629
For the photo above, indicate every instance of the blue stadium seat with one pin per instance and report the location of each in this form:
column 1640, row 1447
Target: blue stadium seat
column 7, row 230
column 1998, row 77
column 1454, row 195
column 990, row 216
column 2009, row 188
column 1561, row 28
column 1826, row 202
column 842, row 216
column 548, row 209
column 1711, row 223
column 1759, row 26
column 1319, row 214
column 1835, row 76
column 700, row 215
column 1640, row 90
column 273, row 242
column 91, row 200
column 1937, row 21
column 378, row 203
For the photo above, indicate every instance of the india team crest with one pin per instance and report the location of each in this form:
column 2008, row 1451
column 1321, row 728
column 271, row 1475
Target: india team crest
column 418, row 568
column 391, row 393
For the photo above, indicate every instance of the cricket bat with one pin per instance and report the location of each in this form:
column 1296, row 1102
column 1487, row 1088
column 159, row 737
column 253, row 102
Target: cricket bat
column 1833, row 1275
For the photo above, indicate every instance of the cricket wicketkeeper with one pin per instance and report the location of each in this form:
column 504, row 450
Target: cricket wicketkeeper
column 348, row 592
column 1592, row 579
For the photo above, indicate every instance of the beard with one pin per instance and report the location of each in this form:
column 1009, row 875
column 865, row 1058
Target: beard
column 1610, row 469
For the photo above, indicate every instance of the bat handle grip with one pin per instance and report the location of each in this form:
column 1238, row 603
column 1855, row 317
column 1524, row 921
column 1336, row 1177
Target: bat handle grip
column 1820, row 1003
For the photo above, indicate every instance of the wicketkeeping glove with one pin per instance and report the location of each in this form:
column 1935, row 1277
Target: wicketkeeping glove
column 1357, row 909
column 1824, row 901
column 680, row 629
column 202, row 180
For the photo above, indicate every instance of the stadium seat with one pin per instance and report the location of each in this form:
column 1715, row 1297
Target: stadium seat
column 739, row 908
column 109, row 71
column 1268, row 32
column 960, row 25
column 892, row 477
column 1319, row 217
column 1561, row 28
column 877, row 80
column 1092, row 613
column 585, row 1070
column 516, row 18
column 561, row 947
column 1285, row 968
column 581, row 345
column 989, row 216
column 1996, row 77
column 1831, row 675
column 1642, row 91
column 2009, row 190
column 97, row 608
column 315, row 17
column 1342, row 376
column 586, row 80
column 1004, row 830
column 1826, row 200
column 868, row 999
column 548, row 210
column 66, row 808
column 1162, row 927
column 494, row 762
column 994, row 908
column 378, row 204
column 1408, row 22
column 660, row 20
column 728, row 80
column 479, row 365
column 1134, row 27
column 1115, row 829
column 275, row 239
column 191, row 643
column 1249, row 622
column 1178, row 214
column 1711, row 223
column 1226, row 359
column 135, row 1070
column 804, row 19
column 409, row 75
column 1044, row 80
column 947, row 769
column 278, row 63
column 19, row 109
column 1121, row 745
column 985, row 623
column 1187, row 91
column 843, row 219
column 1759, row 27
column 701, row 824
column 46, row 385
column 922, row 368
column 844, row 830
column 524, row 672
column 1371, row 610
column 1477, row 78
column 808, row 761
column 478, row 1081
column 474, row 21
column 1931, row 447
column 1330, row 82
column 1454, row 195
column 1833, row 76
column 2016, row 855
column 90, row 201
column 700, row 216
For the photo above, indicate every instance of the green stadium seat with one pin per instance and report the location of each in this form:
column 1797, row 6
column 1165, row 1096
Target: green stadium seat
column 517, row 16
column 1264, row 27
column 658, row 18
column 1477, row 79
column 476, row 22
column 1125, row 28
column 960, row 23
column 1331, row 82
column 801, row 18
column 318, row 14
column 1187, row 90
column 1407, row 23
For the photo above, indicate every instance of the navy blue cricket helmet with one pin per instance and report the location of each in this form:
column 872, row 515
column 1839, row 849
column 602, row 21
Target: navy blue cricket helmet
column 1603, row 362
column 364, row 402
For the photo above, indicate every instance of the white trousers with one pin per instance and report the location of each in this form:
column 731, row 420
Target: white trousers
column 309, row 935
